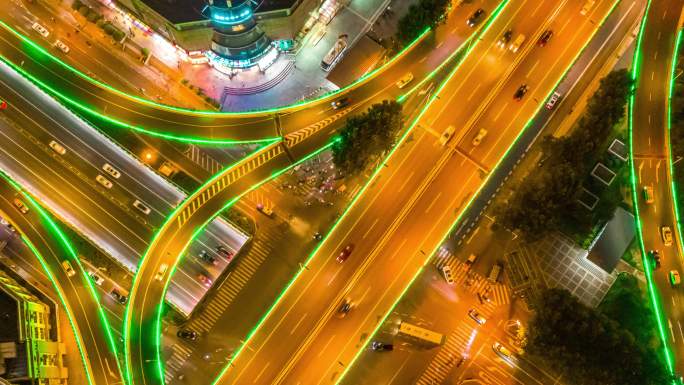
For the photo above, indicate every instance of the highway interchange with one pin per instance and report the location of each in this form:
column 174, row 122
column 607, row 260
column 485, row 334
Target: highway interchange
column 300, row 340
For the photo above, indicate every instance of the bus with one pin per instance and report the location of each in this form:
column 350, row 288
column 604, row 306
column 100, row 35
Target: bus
column 335, row 53
column 420, row 334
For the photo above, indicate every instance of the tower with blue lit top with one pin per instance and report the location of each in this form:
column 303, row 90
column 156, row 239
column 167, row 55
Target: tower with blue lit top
column 238, row 42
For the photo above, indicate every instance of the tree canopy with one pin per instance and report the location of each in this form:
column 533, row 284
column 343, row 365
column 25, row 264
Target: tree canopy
column 588, row 348
column 425, row 14
column 366, row 136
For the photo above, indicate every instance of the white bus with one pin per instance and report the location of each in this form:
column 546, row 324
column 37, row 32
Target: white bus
column 335, row 53
column 419, row 333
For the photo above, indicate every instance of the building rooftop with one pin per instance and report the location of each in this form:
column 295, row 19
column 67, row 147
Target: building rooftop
column 613, row 240
column 186, row 11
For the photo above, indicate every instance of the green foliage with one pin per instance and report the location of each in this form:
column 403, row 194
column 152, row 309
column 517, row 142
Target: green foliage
column 76, row 4
column 118, row 35
column 677, row 126
column 93, row 16
column 626, row 304
column 547, row 199
column 145, row 52
column 108, row 28
column 425, row 14
column 84, row 10
column 366, row 136
column 586, row 347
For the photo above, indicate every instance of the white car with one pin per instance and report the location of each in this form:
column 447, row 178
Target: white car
column 140, row 206
column 111, row 171
column 68, row 269
column 502, row 351
column 587, row 6
column 20, row 206
column 62, row 47
column 477, row 317
column 552, row 101
column 40, row 29
column 406, row 79
column 478, row 138
column 57, row 147
column 446, row 136
column 448, row 277
column 162, row 271
column 96, row 278
column 103, row 181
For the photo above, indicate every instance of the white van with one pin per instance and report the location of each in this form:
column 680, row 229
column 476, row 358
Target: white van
column 515, row 46
column 495, row 272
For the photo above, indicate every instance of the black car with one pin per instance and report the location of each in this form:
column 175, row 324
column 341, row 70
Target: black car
column 344, row 308
column 318, row 236
column 522, row 90
column 381, row 346
column 475, row 17
column 339, row 103
column 224, row 251
column 120, row 298
column 187, row 334
column 204, row 256
column 505, row 38
column 545, row 37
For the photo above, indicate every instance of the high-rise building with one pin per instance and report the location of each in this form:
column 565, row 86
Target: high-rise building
column 238, row 42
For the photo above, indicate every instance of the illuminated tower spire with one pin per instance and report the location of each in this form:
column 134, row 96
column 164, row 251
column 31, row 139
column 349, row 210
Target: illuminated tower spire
column 237, row 38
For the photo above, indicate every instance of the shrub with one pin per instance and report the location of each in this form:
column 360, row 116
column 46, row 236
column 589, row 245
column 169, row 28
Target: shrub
column 108, row 28
column 145, row 52
column 76, row 4
column 84, row 10
column 118, row 35
column 93, row 16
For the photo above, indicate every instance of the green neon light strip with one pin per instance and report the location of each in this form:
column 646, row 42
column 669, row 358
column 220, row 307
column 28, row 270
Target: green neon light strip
column 356, row 198
column 66, row 244
column 200, row 229
column 113, row 121
column 673, row 185
column 652, row 290
column 218, row 113
column 171, row 217
column 470, row 201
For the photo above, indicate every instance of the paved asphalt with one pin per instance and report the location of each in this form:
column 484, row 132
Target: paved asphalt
column 433, row 199
column 79, row 301
column 650, row 138
column 66, row 185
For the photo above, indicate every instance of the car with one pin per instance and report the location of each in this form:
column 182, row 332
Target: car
column 3, row 105
column 475, row 17
column 406, row 79
column 57, row 147
column 505, row 39
column 339, row 103
column 472, row 313
column 161, row 272
column 655, row 256
column 140, row 206
column 515, row 46
column 265, row 210
column 478, row 138
column 448, row 277
column 40, row 29
column 666, row 233
column 111, row 171
column 62, row 47
column 648, row 194
column 345, row 253
column 675, row 279
column 68, row 269
column 469, row 262
column 520, row 92
column 317, row 236
column 545, row 37
column 502, row 351
column 587, row 6
column 552, row 101
column 187, row 334
column 120, row 298
column 206, row 257
column 446, row 135
column 224, row 251
column 20, row 206
column 381, row 346
column 96, row 278
column 344, row 308
column 103, row 181
column 206, row 281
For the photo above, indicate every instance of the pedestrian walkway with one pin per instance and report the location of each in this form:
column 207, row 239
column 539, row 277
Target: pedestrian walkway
column 496, row 294
column 203, row 159
column 450, row 354
column 180, row 352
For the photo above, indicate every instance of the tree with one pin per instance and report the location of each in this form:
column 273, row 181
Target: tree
column 366, row 136
column 426, row 14
column 586, row 347
column 626, row 304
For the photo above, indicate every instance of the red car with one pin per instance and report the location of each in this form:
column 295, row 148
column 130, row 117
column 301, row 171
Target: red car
column 345, row 253
column 3, row 105
column 206, row 281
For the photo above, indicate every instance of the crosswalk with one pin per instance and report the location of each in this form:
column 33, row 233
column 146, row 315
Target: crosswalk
column 206, row 317
column 495, row 294
column 456, row 346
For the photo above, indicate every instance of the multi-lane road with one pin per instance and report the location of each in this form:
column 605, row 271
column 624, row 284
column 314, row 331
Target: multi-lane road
column 650, row 139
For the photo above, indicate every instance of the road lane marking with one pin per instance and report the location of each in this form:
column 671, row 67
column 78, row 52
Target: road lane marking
column 370, row 228
column 334, row 275
column 477, row 87
column 498, row 114
column 261, row 372
column 473, row 235
column 433, row 202
column 408, row 178
column 320, row 352
column 398, row 249
column 298, row 323
column 534, row 66
column 363, row 296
